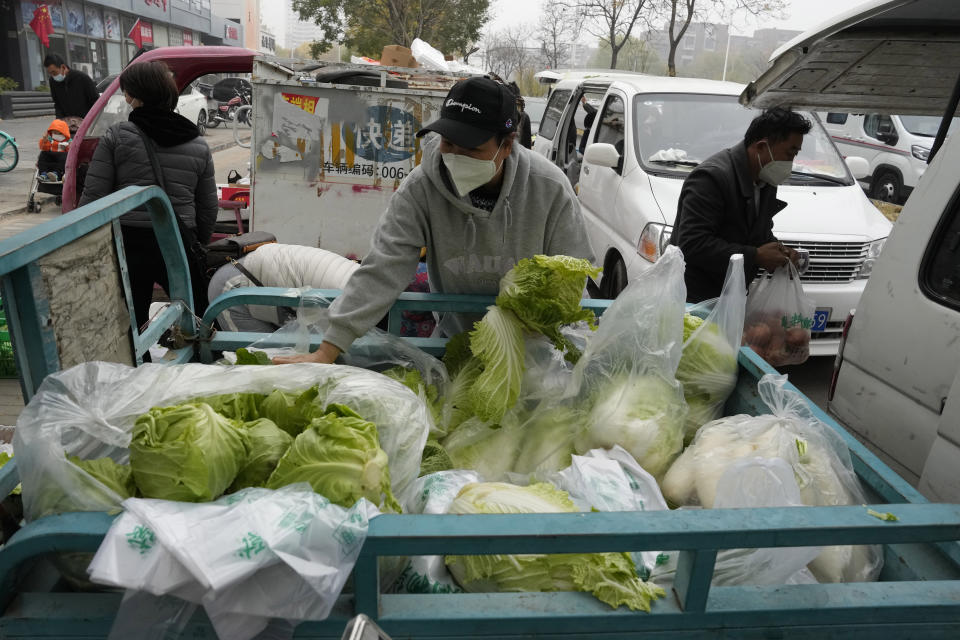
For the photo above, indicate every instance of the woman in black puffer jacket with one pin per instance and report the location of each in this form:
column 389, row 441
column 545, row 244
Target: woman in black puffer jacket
column 121, row 160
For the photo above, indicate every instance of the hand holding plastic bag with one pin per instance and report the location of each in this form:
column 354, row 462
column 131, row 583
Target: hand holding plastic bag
column 779, row 318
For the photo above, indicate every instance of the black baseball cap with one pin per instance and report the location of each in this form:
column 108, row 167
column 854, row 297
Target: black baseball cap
column 475, row 110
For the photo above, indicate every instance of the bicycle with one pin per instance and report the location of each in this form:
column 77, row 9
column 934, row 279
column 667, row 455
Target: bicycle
column 9, row 152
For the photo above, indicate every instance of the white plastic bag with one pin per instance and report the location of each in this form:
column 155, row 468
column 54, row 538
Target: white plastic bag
column 611, row 480
column 427, row 56
column 257, row 554
column 89, row 411
column 433, row 493
column 626, row 376
column 779, row 318
column 818, row 457
column 708, row 367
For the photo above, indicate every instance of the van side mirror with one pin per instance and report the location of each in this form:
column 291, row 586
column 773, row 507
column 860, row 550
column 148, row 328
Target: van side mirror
column 887, row 134
column 858, row 166
column 602, row 154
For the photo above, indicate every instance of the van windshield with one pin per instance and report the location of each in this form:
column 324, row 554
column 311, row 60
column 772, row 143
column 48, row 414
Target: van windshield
column 677, row 131
column 926, row 125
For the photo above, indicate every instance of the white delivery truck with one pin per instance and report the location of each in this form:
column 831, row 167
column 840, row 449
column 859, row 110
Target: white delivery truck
column 651, row 131
column 330, row 144
column 897, row 380
column 895, row 146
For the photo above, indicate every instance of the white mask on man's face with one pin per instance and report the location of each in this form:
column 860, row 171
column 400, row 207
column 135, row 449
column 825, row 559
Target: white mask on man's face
column 468, row 173
column 775, row 172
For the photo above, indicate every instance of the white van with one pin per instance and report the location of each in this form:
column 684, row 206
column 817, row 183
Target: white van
column 897, row 379
column 895, row 147
column 651, row 131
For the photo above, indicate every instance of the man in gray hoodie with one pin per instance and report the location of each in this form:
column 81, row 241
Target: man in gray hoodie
column 478, row 202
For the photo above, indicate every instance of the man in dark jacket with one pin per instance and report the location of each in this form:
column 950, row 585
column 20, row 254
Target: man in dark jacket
column 727, row 204
column 73, row 91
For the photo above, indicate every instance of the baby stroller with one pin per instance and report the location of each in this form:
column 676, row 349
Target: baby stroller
column 51, row 163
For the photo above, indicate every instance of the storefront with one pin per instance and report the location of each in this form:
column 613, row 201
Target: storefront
column 95, row 36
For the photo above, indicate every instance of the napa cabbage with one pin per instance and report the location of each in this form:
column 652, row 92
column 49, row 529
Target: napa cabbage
column 610, row 577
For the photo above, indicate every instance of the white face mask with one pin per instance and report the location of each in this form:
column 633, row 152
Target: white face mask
column 775, row 172
column 468, row 173
column 60, row 77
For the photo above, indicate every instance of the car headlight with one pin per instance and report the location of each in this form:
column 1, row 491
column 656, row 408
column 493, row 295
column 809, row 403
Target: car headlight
column 920, row 152
column 873, row 252
column 654, row 240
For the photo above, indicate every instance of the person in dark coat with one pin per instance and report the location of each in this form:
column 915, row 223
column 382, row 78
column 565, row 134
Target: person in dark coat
column 524, row 132
column 728, row 201
column 121, row 159
column 73, row 91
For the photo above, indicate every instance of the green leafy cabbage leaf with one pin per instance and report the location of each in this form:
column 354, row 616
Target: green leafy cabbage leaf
column 187, row 452
column 339, row 454
column 548, row 439
column 707, row 371
column 242, row 407
column 290, row 411
column 245, row 356
column 610, row 577
column 545, row 292
column 435, row 458
column 497, row 341
column 411, row 379
column 490, row 450
column 266, row 444
column 117, row 477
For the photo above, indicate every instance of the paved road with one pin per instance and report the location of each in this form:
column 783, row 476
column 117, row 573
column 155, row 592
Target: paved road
column 15, row 185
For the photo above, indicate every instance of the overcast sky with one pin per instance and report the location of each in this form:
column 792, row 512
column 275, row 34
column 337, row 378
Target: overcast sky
column 800, row 15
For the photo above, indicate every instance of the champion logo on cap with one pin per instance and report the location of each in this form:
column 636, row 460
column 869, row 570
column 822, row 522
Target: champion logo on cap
column 463, row 106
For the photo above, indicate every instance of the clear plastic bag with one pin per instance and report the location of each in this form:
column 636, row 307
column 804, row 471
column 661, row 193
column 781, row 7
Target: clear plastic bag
column 779, row 318
column 816, row 454
column 89, row 411
column 626, row 376
column 708, row 367
column 752, row 483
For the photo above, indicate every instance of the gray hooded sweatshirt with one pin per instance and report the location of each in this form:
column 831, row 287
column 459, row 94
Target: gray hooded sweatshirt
column 468, row 249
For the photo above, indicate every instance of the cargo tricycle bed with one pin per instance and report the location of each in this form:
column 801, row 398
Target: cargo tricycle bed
column 918, row 592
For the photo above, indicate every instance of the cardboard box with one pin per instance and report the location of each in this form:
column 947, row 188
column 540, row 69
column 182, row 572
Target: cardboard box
column 395, row 55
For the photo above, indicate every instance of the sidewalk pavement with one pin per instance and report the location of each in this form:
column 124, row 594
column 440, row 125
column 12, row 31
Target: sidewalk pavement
column 14, row 219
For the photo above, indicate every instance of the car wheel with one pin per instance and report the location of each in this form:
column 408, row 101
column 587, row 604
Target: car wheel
column 887, row 187
column 202, row 122
column 615, row 281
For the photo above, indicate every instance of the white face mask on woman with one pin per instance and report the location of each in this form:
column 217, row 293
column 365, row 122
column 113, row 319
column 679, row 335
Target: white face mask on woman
column 468, row 173
column 774, row 172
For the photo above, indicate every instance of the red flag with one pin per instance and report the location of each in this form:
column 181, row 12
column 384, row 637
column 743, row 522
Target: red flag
column 135, row 34
column 41, row 24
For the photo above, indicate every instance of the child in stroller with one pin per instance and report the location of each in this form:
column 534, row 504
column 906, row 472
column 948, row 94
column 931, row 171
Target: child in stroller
column 48, row 177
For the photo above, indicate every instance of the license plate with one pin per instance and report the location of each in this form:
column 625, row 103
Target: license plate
column 820, row 319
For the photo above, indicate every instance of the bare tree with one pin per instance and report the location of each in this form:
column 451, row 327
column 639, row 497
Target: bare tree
column 560, row 25
column 611, row 21
column 680, row 13
column 508, row 51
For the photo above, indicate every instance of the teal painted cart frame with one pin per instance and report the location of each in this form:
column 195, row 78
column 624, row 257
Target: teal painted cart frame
column 918, row 593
